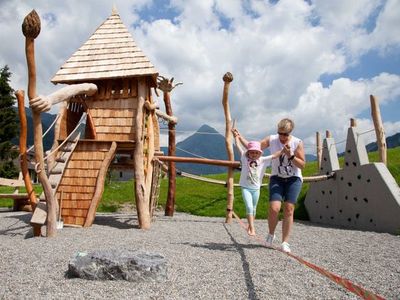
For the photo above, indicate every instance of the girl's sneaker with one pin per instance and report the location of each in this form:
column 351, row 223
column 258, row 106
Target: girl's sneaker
column 270, row 239
column 285, row 247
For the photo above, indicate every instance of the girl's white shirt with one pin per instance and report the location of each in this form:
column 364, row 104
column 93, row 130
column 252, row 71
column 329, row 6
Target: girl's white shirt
column 253, row 170
column 282, row 166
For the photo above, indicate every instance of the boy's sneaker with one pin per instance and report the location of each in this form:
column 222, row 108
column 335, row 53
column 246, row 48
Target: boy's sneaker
column 270, row 239
column 285, row 247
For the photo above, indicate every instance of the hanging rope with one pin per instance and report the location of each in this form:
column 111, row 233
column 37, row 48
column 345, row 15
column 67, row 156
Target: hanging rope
column 83, row 118
column 48, row 129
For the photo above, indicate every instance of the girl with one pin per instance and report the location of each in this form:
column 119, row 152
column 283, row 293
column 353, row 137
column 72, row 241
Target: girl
column 251, row 176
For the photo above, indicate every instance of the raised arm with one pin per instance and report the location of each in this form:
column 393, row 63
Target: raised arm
column 44, row 103
column 238, row 144
column 240, row 138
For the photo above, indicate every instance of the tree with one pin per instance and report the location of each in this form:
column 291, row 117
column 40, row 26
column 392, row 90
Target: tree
column 8, row 126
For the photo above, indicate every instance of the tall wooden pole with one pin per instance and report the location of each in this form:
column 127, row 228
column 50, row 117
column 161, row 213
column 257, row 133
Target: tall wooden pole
column 328, row 134
column 142, row 199
column 379, row 130
column 170, row 205
column 319, row 149
column 31, row 29
column 166, row 86
column 22, row 149
column 228, row 78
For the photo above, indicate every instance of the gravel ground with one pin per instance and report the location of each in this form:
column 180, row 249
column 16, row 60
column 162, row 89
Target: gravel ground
column 207, row 259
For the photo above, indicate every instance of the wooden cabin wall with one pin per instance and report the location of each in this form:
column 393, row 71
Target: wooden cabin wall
column 114, row 109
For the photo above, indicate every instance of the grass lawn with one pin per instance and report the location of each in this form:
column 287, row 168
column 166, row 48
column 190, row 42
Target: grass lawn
column 205, row 199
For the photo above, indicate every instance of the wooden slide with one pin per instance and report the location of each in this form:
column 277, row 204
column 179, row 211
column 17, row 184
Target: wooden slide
column 81, row 185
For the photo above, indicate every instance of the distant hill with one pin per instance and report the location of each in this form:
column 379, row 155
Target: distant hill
column 47, row 120
column 206, row 142
column 392, row 141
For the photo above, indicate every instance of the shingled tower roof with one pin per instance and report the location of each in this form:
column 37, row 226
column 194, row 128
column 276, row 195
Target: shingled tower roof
column 109, row 53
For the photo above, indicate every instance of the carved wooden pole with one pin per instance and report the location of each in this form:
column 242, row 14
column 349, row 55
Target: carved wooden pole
column 228, row 143
column 31, row 29
column 22, row 149
column 328, row 134
column 170, row 205
column 142, row 199
column 379, row 130
column 319, row 149
column 166, row 86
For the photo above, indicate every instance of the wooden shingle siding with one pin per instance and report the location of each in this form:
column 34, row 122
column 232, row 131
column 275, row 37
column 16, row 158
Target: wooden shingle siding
column 79, row 181
column 109, row 53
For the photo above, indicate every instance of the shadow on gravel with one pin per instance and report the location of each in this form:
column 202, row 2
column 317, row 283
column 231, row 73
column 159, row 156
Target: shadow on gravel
column 239, row 248
column 117, row 221
column 245, row 265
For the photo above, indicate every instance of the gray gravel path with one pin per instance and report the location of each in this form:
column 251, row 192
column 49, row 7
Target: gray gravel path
column 207, row 259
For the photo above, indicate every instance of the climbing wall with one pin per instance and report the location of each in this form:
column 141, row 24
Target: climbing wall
column 362, row 195
column 80, row 182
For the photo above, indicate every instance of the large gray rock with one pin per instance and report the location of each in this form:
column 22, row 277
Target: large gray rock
column 118, row 265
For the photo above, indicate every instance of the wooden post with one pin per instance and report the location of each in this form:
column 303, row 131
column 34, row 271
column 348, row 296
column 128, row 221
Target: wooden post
column 196, row 160
column 170, row 205
column 31, row 29
column 319, row 149
column 328, row 134
column 142, row 201
column 379, row 130
column 228, row 78
column 166, row 86
column 23, row 156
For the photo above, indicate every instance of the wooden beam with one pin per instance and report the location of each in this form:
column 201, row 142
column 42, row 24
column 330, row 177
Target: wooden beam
column 205, row 161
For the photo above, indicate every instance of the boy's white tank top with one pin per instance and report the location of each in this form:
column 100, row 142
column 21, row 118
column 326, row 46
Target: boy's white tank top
column 281, row 166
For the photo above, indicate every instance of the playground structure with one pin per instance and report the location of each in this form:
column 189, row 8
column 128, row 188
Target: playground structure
column 361, row 195
column 111, row 111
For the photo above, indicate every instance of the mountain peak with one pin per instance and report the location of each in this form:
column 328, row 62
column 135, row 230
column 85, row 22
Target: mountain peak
column 207, row 129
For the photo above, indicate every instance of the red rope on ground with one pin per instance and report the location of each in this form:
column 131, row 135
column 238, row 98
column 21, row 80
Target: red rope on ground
column 354, row 288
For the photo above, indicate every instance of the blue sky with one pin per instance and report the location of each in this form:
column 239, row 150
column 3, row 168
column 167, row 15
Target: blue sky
column 314, row 61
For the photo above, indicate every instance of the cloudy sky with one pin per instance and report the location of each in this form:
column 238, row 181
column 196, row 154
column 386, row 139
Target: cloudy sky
column 314, row 61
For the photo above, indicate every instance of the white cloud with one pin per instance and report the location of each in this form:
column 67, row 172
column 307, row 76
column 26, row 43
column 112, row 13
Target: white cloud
column 331, row 108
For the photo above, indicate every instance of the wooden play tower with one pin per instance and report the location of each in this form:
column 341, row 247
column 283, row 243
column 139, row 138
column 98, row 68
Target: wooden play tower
column 118, row 121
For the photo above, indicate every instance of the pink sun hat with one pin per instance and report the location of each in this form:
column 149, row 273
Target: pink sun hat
column 254, row 146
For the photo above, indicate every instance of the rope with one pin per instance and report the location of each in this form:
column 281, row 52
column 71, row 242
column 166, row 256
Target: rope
column 347, row 284
column 190, row 153
column 48, row 129
column 83, row 118
column 268, row 175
